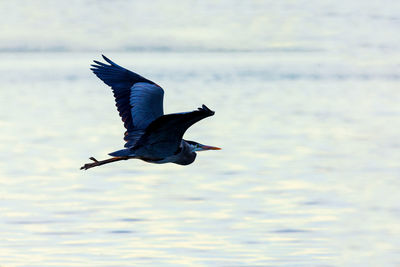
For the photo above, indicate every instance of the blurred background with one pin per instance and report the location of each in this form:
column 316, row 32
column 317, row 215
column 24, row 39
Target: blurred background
column 306, row 95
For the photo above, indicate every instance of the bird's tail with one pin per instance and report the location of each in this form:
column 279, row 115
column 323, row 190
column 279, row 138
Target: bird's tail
column 122, row 153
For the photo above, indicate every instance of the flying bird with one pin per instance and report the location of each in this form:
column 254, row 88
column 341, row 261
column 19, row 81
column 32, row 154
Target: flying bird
column 150, row 135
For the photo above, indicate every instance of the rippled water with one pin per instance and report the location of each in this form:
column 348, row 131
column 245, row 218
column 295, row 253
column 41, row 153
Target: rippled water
column 308, row 174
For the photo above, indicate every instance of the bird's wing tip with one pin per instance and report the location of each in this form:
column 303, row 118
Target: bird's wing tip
column 108, row 60
column 204, row 108
column 99, row 63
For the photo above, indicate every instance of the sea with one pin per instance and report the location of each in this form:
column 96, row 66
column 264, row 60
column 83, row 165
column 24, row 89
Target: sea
column 308, row 174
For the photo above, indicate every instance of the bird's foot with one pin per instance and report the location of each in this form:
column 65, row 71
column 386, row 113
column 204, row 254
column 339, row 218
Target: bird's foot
column 90, row 165
column 101, row 162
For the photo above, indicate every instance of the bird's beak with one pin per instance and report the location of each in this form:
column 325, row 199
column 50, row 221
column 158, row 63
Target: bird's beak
column 203, row 148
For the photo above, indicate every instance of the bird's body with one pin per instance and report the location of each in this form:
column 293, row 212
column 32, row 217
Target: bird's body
column 184, row 156
column 150, row 135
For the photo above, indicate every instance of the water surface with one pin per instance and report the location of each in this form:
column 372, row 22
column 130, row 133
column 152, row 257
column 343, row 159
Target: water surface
column 308, row 174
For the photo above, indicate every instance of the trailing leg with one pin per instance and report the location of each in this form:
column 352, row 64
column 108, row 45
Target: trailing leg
column 96, row 162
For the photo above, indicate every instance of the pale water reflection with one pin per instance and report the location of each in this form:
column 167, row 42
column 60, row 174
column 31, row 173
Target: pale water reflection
column 308, row 174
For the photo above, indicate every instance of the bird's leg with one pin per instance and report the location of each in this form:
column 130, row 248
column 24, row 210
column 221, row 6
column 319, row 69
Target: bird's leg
column 101, row 162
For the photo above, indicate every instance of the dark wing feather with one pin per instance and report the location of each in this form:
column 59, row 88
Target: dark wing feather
column 139, row 101
column 167, row 131
column 146, row 101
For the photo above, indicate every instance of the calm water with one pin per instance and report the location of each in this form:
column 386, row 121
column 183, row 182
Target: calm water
column 309, row 174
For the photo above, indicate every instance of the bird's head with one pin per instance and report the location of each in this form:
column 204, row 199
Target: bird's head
column 195, row 147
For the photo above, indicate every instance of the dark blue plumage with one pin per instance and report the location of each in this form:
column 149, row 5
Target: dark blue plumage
column 169, row 130
column 131, row 93
column 150, row 135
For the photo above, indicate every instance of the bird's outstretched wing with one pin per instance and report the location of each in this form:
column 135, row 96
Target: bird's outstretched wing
column 139, row 101
column 167, row 131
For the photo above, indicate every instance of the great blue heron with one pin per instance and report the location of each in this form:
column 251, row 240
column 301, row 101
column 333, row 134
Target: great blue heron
column 150, row 135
